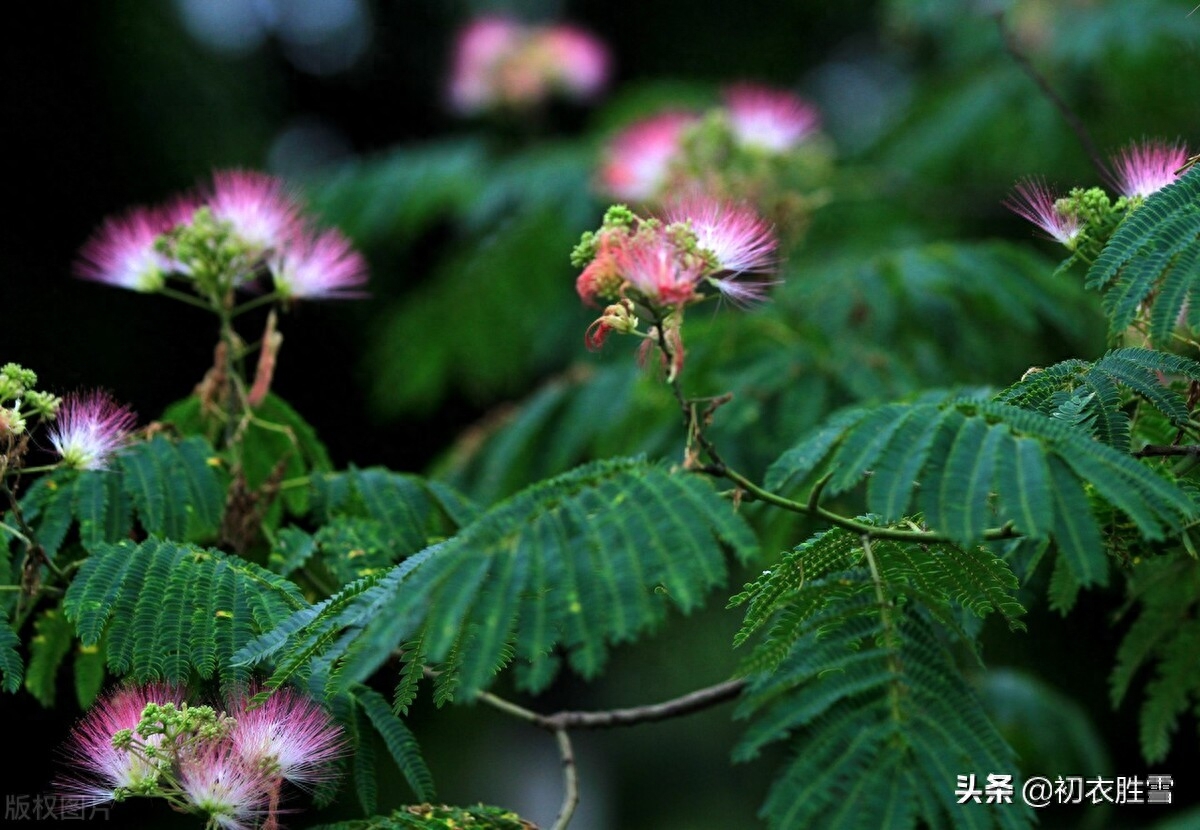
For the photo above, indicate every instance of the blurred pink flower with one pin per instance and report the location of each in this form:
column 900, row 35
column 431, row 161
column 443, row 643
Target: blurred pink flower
column 500, row 62
column 89, row 429
column 480, row 48
column 102, row 768
column 1142, row 169
column 638, row 158
column 772, row 119
column 288, row 736
column 578, row 61
column 311, row 265
column 260, row 208
column 123, row 251
column 1033, row 200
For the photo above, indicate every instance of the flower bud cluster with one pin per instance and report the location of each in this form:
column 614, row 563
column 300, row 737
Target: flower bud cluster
column 229, row 765
column 500, row 63
column 655, row 266
column 19, row 401
column 225, row 236
column 761, row 145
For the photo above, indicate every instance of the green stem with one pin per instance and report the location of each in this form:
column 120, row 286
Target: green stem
column 184, row 297
column 891, row 637
column 812, row 508
column 255, row 303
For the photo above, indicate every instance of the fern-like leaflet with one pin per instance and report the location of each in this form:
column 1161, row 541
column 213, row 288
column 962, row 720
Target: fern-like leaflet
column 590, row 558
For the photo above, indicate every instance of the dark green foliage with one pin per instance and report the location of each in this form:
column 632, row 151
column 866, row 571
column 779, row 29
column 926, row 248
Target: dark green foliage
column 171, row 488
column 167, row 609
column 400, row 742
column 881, row 723
column 1155, row 253
column 1094, row 390
column 822, row 578
column 590, row 558
column 1165, row 633
column 438, row 817
column 947, row 458
column 12, row 667
column 368, row 521
column 52, row 639
column 275, row 437
column 474, row 325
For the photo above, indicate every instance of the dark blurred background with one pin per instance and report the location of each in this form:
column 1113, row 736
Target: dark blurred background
column 119, row 102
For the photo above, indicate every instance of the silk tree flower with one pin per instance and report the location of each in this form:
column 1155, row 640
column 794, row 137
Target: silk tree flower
column 638, row 158
column 89, row 429
column 311, row 265
column 601, row 279
column 575, row 59
column 106, row 772
column 124, row 252
column 772, row 119
column 259, row 208
column 289, row 736
column 1142, row 169
column 1032, row 200
column 659, row 271
column 735, row 237
column 216, row 780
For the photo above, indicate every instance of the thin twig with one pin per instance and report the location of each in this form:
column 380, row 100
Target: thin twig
column 1156, row 450
column 1064, row 109
column 609, row 718
column 570, row 781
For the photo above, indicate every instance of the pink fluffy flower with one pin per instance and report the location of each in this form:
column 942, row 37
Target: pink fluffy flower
column 1142, row 169
column 216, row 780
column 102, row 768
column 318, row 265
column 289, row 736
column 261, row 210
column 639, row 157
column 772, row 119
column 659, row 272
column 576, row 60
column 736, row 237
column 89, row 429
column 123, row 251
column 1033, row 200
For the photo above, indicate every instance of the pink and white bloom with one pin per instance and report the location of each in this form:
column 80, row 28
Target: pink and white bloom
column 736, row 237
column 260, row 208
column 638, row 158
column 772, row 119
column 123, row 252
column 575, row 59
column 103, row 769
column 659, row 271
column 289, row 736
column 218, row 781
column 1142, row 169
column 89, row 429
column 1033, row 200
column 313, row 264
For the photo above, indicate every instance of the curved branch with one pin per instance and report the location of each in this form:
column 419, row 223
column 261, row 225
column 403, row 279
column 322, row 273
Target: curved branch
column 609, row 718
